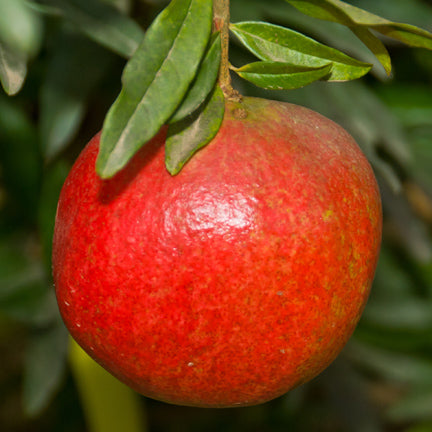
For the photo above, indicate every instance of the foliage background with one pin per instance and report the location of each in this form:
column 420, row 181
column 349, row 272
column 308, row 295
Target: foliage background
column 383, row 379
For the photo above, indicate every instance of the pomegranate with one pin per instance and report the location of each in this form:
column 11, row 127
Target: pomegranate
column 234, row 281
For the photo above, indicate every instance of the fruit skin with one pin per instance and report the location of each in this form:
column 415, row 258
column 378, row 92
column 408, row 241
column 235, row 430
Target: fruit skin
column 234, row 281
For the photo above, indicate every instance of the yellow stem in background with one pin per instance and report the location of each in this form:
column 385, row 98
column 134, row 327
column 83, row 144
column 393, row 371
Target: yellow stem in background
column 108, row 404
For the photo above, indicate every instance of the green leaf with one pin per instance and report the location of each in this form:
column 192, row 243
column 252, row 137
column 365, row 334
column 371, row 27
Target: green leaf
column 420, row 139
column 103, row 23
column 20, row 162
column 329, row 33
column 45, row 364
column 411, row 103
column 376, row 47
column 278, row 44
column 282, row 76
column 25, row 295
column 122, row 5
column 414, row 407
column 27, row 299
column 189, row 135
column 358, row 19
column 418, row 12
column 323, row 9
column 406, row 33
column 348, row 15
column 13, row 70
column 155, row 81
column 392, row 365
column 348, row 396
column 65, row 90
column 23, row 292
column 203, row 83
column 412, row 313
column 20, row 27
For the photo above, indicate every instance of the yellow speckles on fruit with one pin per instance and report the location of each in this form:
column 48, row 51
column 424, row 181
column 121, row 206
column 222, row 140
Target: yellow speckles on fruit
column 364, row 288
column 352, row 270
column 356, row 255
column 327, row 215
column 354, row 266
column 337, row 307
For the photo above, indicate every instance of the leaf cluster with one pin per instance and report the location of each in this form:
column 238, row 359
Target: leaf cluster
column 288, row 60
column 172, row 68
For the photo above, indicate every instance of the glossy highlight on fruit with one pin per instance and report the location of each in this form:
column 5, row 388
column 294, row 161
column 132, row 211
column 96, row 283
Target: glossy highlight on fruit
column 234, row 281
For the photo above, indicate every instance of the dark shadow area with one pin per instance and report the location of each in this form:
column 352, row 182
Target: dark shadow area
column 111, row 188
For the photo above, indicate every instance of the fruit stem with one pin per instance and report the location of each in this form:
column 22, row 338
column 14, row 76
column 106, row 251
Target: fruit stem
column 221, row 21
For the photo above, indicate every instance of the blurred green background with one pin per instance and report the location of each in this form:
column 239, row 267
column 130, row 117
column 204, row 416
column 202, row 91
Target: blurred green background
column 61, row 63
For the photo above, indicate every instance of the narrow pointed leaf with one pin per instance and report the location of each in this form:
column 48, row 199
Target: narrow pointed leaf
column 13, row 70
column 330, row 34
column 189, row 135
column 406, row 33
column 103, row 23
column 323, row 9
column 155, row 81
column 203, row 83
column 278, row 44
column 352, row 16
column 282, row 76
column 375, row 45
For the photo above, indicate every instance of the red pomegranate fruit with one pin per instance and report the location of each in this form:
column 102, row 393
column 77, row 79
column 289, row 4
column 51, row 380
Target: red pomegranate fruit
column 233, row 282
